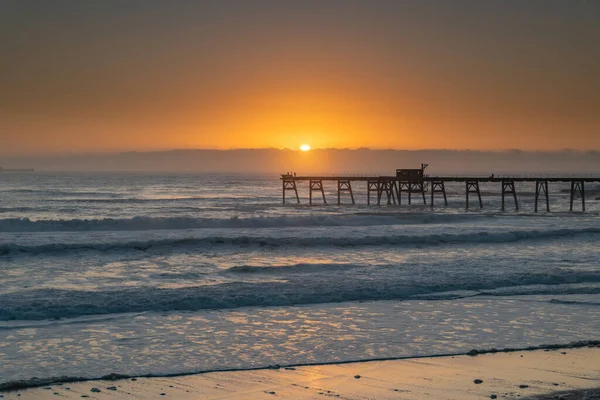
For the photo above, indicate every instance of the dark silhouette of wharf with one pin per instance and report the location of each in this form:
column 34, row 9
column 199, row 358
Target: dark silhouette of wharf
column 389, row 189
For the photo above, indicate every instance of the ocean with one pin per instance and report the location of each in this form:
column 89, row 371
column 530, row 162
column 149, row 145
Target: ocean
column 163, row 274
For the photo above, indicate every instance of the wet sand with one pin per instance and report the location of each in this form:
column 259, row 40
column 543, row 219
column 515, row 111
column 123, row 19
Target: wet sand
column 540, row 374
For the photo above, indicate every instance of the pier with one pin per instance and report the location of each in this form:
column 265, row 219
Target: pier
column 389, row 190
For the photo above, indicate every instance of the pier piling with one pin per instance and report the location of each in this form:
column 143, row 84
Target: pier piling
column 508, row 187
column 289, row 183
column 578, row 186
column 438, row 187
column 398, row 192
column 411, row 187
column 473, row 187
column 421, row 187
column 372, row 186
column 316, row 185
column 386, row 186
column 344, row 185
column 542, row 187
column 405, row 187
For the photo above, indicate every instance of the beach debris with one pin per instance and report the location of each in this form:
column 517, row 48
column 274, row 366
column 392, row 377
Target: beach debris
column 111, row 388
column 163, row 394
column 95, row 390
column 477, row 381
column 356, row 376
column 523, row 386
column 493, row 396
column 113, row 377
column 290, row 368
column 133, row 379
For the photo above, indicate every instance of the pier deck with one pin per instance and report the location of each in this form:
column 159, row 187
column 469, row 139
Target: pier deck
column 447, row 178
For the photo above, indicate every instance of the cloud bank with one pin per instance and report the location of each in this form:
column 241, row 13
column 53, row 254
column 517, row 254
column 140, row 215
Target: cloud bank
column 326, row 161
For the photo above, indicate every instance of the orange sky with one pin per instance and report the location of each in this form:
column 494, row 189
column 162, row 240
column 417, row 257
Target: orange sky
column 115, row 76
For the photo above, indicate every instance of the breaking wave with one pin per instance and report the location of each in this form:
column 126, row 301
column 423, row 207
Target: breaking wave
column 172, row 223
column 296, row 289
column 300, row 241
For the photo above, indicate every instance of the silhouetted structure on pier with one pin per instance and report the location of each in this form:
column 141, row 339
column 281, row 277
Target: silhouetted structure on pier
column 389, row 189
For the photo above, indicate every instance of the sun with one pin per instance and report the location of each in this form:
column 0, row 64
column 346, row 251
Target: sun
column 305, row 147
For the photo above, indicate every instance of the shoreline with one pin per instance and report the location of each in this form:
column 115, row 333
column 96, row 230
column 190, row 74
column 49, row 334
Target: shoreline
column 525, row 373
column 38, row 382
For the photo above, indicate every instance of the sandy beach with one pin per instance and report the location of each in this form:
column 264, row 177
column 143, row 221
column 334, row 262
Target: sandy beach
column 540, row 374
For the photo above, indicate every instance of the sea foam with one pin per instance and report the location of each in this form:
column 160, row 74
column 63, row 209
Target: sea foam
column 299, row 241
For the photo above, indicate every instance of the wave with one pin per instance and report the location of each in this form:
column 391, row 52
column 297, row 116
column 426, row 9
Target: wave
column 171, row 223
column 303, row 241
column 36, row 382
column 26, row 324
column 134, row 200
column 574, row 302
column 40, row 304
column 145, row 223
column 293, row 268
column 16, row 209
column 59, row 192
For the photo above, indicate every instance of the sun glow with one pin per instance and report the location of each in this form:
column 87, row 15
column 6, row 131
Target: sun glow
column 305, row 147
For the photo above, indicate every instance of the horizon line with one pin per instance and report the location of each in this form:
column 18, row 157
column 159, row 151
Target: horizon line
column 149, row 151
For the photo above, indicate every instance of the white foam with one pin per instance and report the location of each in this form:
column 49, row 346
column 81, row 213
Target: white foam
column 161, row 223
column 481, row 236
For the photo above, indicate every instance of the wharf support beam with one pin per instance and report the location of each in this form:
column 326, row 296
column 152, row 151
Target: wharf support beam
column 411, row 187
column 386, row 186
column 438, row 187
column 290, row 184
column 316, row 185
column 541, row 187
column 508, row 187
column 473, row 187
column 372, row 186
column 344, row 185
column 578, row 186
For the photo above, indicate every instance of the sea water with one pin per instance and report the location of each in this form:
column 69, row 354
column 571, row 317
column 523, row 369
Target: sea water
column 158, row 274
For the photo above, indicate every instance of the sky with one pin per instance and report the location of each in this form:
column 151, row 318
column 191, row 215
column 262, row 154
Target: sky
column 101, row 76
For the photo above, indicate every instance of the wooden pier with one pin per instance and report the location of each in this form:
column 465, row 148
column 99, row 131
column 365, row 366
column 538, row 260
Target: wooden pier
column 389, row 189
